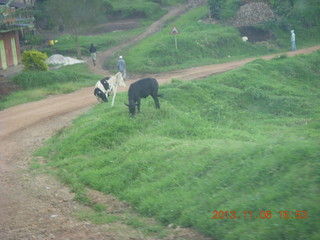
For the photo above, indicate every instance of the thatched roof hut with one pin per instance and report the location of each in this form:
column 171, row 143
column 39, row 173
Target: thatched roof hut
column 253, row 13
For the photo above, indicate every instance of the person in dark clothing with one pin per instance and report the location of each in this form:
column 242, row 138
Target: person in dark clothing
column 93, row 52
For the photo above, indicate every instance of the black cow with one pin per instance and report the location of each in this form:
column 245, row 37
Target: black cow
column 142, row 89
column 102, row 90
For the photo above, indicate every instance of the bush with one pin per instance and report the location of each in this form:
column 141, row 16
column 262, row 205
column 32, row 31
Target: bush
column 34, row 61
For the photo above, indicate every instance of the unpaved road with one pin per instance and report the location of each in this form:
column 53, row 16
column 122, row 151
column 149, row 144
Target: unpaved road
column 39, row 207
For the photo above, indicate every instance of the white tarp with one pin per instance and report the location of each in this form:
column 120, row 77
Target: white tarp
column 58, row 59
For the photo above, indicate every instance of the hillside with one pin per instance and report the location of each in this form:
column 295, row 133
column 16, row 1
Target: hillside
column 246, row 140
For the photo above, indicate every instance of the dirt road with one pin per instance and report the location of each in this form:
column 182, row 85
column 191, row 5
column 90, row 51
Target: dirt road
column 39, row 207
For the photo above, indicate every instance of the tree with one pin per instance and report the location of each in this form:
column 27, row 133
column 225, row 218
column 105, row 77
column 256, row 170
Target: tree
column 76, row 15
column 215, row 7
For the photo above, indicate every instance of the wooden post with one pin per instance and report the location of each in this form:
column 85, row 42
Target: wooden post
column 114, row 95
column 175, row 32
column 176, row 41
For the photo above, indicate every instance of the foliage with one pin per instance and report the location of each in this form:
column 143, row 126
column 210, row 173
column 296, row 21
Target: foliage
column 74, row 15
column 42, row 19
column 140, row 8
column 282, row 7
column 102, row 42
column 38, row 85
column 111, row 9
column 245, row 140
column 36, row 79
column 215, row 7
column 135, row 9
column 201, row 44
column 28, row 80
column 198, row 44
column 33, row 40
column 169, row 2
column 34, row 61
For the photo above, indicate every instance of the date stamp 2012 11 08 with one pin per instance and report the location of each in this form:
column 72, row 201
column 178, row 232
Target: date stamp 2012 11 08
column 265, row 214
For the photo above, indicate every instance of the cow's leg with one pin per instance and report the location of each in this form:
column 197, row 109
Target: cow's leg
column 138, row 104
column 156, row 100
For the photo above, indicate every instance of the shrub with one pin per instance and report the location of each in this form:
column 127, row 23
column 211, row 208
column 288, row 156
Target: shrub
column 34, row 61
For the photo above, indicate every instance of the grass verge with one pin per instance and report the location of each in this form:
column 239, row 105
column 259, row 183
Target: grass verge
column 246, row 140
column 38, row 85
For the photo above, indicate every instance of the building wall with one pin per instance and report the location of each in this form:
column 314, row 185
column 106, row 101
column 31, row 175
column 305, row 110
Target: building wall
column 11, row 55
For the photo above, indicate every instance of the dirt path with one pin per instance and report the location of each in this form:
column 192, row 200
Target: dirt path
column 39, row 207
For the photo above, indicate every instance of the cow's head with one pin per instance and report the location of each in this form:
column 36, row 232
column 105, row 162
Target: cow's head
column 132, row 108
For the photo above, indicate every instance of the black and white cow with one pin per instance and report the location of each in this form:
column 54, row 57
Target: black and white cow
column 102, row 90
column 142, row 89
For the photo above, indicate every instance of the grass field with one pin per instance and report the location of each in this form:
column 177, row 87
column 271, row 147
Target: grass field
column 38, row 85
column 246, row 140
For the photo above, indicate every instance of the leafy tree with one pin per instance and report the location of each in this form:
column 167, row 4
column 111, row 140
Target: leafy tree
column 76, row 15
column 215, row 7
column 43, row 21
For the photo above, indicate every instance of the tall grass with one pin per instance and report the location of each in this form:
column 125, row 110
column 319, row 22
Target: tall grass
column 245, row 140
column 39, row 84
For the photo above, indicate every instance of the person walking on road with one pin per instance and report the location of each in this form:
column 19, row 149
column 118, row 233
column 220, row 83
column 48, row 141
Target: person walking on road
column 122, row 67
column 293, row 40
column 93, row 52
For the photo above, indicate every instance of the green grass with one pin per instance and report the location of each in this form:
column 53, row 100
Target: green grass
column 38, row 85
column 197, row 44
column 136, row 8
column 245, row 140
column 103, row 42
column 203, row 44
column 149, row 11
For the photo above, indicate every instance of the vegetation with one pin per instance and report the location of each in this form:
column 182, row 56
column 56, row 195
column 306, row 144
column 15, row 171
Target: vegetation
column 215, row 7
column 34, row 61
column 202, row 44
column 76, row 15
column 198, row 44
column 102, row 42
column 137, row 8
column 245, row 140
column 36, row 85
column 45, row 11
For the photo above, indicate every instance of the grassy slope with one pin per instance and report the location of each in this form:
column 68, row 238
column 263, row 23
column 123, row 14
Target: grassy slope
column 198, row 44
column 245, row 140
column 38, row 85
